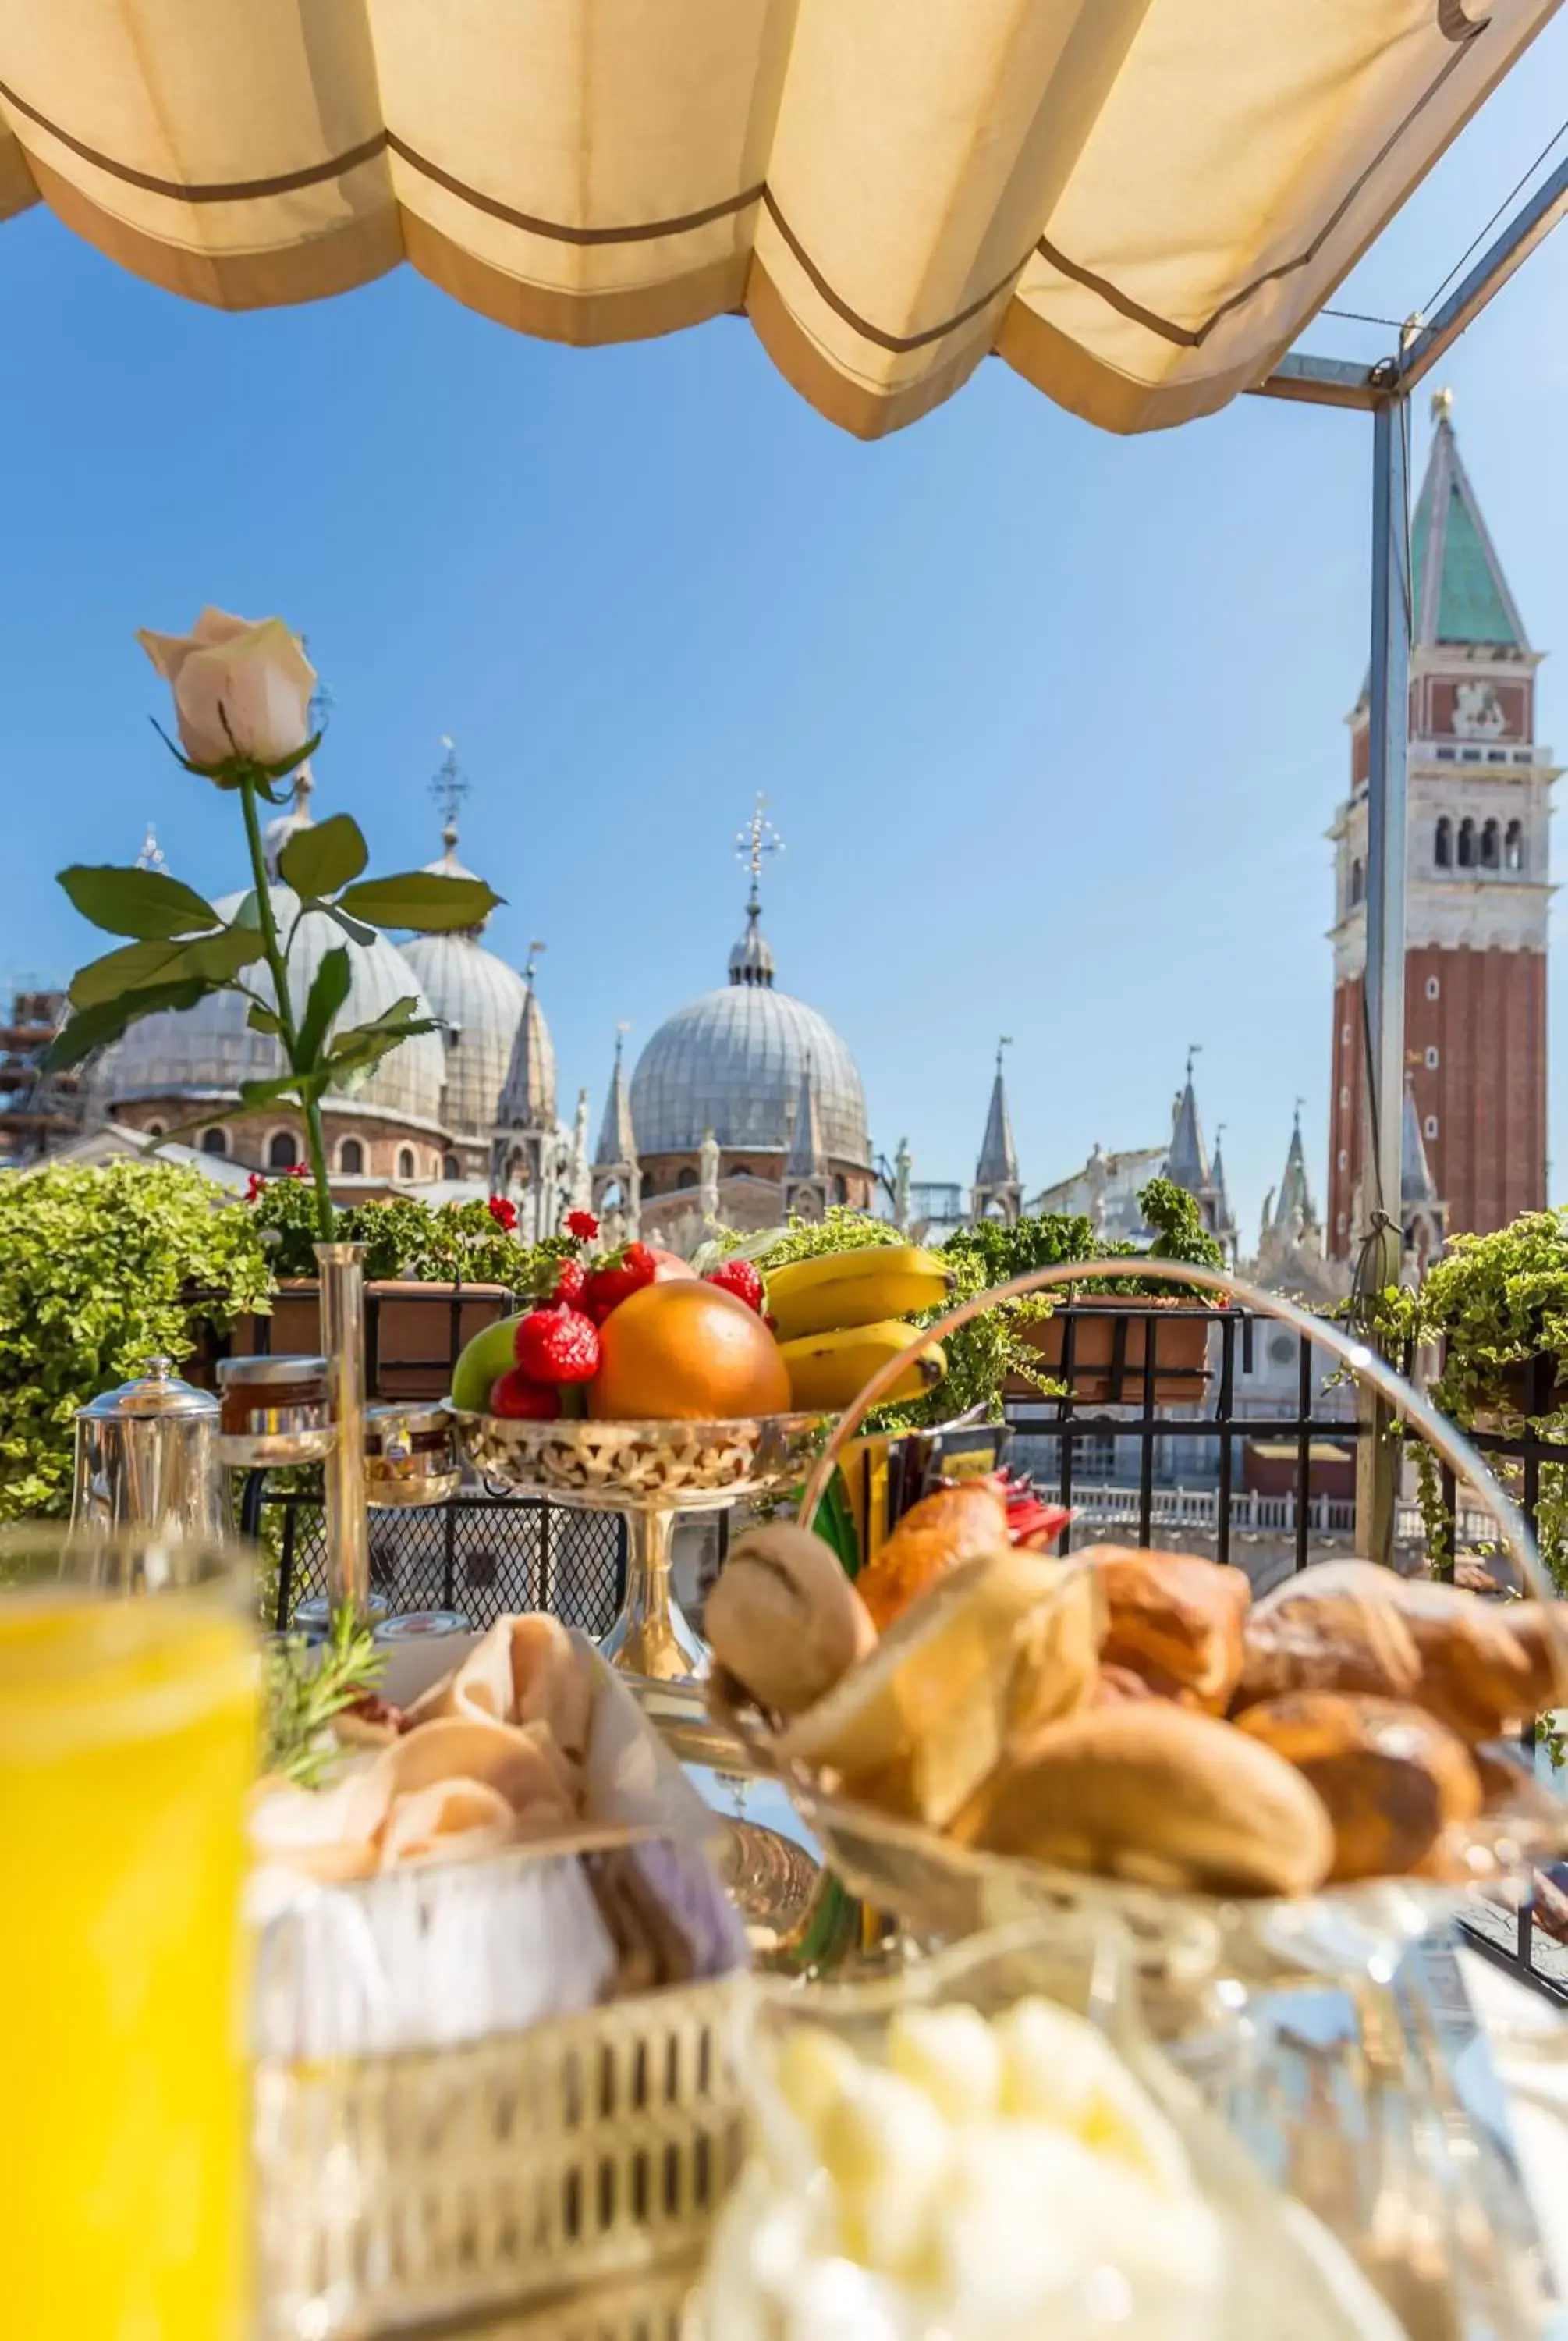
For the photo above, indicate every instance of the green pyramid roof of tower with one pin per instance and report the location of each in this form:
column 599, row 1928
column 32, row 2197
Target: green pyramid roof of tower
column 1472, row 603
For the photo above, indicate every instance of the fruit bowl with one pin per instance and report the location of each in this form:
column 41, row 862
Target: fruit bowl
column 622, row 1466
column 648, row 1471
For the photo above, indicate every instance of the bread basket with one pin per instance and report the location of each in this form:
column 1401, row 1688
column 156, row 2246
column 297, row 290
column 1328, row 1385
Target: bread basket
column 942, row 1889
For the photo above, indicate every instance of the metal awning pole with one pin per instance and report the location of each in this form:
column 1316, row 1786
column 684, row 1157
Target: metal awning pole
column 1383, row 1022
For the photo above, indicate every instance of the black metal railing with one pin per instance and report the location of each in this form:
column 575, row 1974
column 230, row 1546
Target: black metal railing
column 1133, row 1388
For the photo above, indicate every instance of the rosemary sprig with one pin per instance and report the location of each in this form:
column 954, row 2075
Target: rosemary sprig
column 306, row 1686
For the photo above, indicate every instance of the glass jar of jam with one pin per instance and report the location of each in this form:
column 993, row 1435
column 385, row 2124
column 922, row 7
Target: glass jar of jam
column 411, row 1455
column 272, row 1410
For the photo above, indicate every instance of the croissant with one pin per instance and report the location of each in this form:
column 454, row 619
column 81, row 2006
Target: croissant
column 953, row 1525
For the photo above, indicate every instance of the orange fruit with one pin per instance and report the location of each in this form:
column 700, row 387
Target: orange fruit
column 686, row 1352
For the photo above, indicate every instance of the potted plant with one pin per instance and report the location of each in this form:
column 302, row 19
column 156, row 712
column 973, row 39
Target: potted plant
column 434, row 1277
column 1108, row 1358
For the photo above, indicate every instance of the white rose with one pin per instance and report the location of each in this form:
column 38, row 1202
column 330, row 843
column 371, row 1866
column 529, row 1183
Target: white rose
column 239, row 686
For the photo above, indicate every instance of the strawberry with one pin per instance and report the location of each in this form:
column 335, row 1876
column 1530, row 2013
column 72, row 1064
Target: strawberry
column 571, row 1278
column 618, row 1275
column 738, row 1277
column 517, row 1400
column 557, row 1344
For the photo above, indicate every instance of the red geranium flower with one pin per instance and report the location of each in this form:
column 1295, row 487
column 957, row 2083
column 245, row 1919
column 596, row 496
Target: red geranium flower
column 299, row 1170
column 255, row 1188
column 503, row 1211
column 581, row 1224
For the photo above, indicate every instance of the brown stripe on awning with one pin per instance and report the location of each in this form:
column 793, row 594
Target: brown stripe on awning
column 558, row 230
column 1189, row 337
column 897, row 344
column 228, row 190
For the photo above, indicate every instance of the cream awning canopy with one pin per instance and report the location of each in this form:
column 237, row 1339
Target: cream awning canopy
column 1138, row 204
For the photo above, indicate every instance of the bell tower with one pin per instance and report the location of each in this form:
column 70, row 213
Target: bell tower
column 1478, row 868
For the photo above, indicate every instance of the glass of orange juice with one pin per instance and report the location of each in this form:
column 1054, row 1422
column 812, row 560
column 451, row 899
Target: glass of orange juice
column 128, row 1737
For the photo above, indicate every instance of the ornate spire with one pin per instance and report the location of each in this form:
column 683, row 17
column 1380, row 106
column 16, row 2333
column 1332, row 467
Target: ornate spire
column 999, row 1162
column 617, row 1148
column 1293, row 1205
column 996, row 1192
column 751, row 961
column 277, row 834
column 807, row 1157
column 1187, row 1164
column 527, row 1094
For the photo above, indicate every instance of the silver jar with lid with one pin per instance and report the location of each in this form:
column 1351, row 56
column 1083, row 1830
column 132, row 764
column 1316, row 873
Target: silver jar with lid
column 146, row 1456
column 275, row 1411
column 411, row 1455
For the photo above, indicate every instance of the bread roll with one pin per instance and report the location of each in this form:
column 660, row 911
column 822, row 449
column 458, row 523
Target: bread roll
column 1391, row 1776
column 1334, row 1627
column 999, row 1643
column 784, row 1619
column 1153, row 1794
column 1175, row 1619
column 941, row 1529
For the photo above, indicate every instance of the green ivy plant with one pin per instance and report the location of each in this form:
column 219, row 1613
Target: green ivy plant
column 1491, row 1303
column 96, row 1267
column 180, row 950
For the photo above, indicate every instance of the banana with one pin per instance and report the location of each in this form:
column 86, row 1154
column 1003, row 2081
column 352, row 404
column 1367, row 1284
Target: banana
column 827, row 1371
column 856, row 1288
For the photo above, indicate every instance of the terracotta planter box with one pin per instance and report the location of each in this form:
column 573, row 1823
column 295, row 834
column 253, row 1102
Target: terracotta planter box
column 1181, row 1352
column 409, row 1330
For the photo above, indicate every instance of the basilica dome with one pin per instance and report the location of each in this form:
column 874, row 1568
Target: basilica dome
column 732, row 1063
column 210, row 1048
column 479, row 998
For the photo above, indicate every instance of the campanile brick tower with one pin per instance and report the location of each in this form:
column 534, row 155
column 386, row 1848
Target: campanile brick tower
column 1478, row 861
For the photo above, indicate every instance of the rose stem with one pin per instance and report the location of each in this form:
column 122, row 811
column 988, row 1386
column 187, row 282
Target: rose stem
column 314, row 1142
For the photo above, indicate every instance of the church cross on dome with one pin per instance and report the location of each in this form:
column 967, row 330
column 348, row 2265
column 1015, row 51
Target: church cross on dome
column 751, row 961
column 448, row 789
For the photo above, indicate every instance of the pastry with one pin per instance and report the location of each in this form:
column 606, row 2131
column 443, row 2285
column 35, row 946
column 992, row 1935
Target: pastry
column 1334, row 1627
column 1175, row 1619
column 1487, row 1667
column 784, row 1619
column 1392, row 1777
column 948, row 1527
column 1156, row 1795
column 1483, row 1667
column 998, row 1645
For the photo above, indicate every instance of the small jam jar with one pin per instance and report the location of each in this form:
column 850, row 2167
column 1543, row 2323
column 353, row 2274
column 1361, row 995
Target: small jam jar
column 272, row 1410
column 411, row 1455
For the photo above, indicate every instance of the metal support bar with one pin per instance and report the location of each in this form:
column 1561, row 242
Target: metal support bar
column 1383, row 984
column 1321, row 382
column 1530, row 225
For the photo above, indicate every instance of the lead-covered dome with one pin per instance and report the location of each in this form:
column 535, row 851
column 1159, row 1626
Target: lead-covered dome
column 732, row 1063
column 480, row 1002
column 211, row 1048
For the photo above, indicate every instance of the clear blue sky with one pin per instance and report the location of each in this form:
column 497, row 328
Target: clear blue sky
column 1051, row 721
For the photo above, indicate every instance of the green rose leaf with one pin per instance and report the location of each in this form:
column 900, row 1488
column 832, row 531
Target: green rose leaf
column 328, row 990
column 422, row 900
column 297, row 1087
column 94, row 1027
column 355, row 930
column 322, row 856
column 147, row 903
column 263, row 1020
column 210, row 959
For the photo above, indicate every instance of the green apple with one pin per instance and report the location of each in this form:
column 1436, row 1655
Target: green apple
column 485, row 1359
